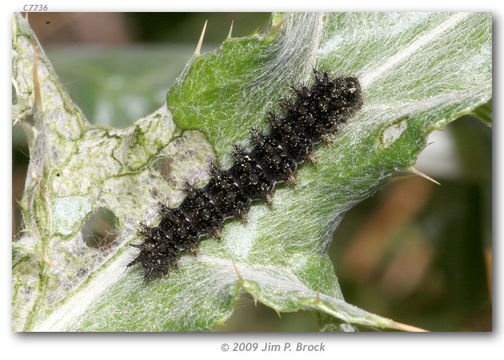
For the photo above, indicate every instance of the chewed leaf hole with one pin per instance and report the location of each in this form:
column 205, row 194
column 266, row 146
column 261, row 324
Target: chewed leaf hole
column 393, row 132
column 164, row 167
column 100, row 229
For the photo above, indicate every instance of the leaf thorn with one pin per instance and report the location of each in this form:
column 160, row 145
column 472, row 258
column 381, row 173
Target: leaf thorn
column 230, row 30
column 237, row 272
column 36, row 84
column 197, row 52
column 425, row 176
column 279, row 25
column 406, row 327
column 278, row 313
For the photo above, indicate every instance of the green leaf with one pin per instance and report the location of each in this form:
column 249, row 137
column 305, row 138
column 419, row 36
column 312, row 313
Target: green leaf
column 419, row 71
column 484, row 113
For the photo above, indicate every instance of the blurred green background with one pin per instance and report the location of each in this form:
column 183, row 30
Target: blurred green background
column 415, row 252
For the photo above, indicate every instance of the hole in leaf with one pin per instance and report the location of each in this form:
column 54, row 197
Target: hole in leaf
column 100, row 229
column 393, row 132
column 164, row 167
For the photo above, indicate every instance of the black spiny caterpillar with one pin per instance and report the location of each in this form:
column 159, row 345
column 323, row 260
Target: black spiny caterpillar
column 309, row 119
